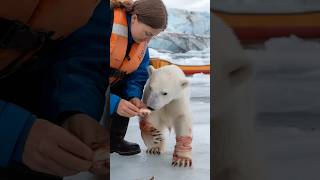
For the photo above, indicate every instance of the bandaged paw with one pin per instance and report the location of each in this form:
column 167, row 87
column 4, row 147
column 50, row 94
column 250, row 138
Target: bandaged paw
column 182, row 155
column 181, row 161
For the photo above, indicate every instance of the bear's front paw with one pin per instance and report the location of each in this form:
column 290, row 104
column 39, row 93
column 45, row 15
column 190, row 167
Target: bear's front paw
column 182, row 151
column 154, row 150
column 181, row 161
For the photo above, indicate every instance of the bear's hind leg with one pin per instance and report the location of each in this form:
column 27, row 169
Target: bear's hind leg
column 182, row 155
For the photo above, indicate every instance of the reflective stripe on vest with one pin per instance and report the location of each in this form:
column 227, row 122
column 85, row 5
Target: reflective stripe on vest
column 119, row 44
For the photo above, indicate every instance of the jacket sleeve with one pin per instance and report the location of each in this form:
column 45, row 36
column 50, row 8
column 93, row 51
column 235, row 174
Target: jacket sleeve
column 135, row 81
column 16, row 123
column 114, row 102
column 77, row 81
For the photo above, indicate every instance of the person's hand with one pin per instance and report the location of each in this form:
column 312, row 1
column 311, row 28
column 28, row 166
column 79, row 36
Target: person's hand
column 92, row 134
column 53, row 150
column 127, row 109
column 143, row 109
column 138, row 103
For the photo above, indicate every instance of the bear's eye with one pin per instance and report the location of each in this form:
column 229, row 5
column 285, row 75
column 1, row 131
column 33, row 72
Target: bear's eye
column 150, row 88
column 164, row 93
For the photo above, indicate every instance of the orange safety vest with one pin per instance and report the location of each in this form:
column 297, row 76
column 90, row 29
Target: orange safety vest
column 62, row 17
column 118, row 47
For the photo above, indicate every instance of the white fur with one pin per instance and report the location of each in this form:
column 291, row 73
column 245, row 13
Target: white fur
column 171, row 110
column 235, row 154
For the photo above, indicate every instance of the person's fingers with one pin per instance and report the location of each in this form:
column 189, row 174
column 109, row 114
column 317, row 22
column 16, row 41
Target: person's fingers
column 95, row 134
column 69, row 160
column 101, row 135
column 73, row 145
column 136, row 103
column 140, row 104
column 59, row 169
column 133, row 108
column 88, row 134
column 37, row 164
column 130, row 113
column 121, row 112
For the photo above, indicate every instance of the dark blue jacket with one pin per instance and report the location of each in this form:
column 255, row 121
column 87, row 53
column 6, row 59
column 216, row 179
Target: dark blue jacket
column 133, row 84
column 76, row 82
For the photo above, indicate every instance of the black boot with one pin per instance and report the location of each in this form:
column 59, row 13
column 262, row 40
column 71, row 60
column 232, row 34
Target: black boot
column 118, row 131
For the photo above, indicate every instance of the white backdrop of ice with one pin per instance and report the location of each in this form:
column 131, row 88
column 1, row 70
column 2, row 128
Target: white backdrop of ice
column 287, row 86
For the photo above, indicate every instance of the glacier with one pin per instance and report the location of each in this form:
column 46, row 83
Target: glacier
column 186, row 31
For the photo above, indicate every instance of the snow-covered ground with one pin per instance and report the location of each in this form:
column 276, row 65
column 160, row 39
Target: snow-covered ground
column 288, row 107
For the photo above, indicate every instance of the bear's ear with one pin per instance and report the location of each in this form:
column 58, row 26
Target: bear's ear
column 184, row 83
column 150, row 70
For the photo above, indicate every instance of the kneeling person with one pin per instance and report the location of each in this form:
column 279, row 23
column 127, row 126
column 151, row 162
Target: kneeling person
column 134, row 25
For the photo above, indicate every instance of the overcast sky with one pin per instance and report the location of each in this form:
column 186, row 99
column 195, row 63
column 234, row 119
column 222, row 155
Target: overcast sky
column 195, row 5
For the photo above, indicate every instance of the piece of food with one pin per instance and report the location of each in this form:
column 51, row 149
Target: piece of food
column 144, row 112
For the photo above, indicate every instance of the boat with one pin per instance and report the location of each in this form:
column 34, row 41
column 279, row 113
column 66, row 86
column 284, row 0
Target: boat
column 187, row 69
column 259, row 27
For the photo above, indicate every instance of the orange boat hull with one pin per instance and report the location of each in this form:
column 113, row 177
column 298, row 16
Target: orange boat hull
column 187, row 69
column 252, row 28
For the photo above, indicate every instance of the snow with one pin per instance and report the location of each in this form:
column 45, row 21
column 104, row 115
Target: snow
column 287, row 76
column 287, row 99
column 290, row 153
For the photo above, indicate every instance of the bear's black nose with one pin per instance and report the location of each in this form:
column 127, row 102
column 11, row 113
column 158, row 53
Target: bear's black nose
column 150, row 108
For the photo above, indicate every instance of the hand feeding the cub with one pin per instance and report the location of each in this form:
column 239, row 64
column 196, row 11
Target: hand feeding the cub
column 133, row 107
column 91, row 133
column 143, row 110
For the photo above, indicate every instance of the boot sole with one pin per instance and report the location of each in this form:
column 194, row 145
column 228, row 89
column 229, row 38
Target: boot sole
column 127, row 153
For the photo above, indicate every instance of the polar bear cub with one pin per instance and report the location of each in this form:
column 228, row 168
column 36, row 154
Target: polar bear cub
column 167, row 94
